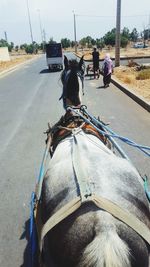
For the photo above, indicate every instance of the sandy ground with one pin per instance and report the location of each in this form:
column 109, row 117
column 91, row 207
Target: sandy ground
column 124, row 52
column 128, row 76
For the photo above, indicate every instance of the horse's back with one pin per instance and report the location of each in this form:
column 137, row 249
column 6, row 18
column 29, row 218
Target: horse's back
column 108, row 176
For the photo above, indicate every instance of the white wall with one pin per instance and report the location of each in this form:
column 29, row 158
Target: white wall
column 4, row 54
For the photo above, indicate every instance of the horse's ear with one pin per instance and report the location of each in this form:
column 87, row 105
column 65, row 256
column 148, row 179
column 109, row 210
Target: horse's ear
column 66, row 62
column 82, row 64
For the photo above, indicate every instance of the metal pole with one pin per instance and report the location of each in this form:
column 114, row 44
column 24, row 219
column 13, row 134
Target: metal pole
column 29, row 21
column 117, row 43
column 41, row 29
column 75, row 35
column 149, row 30
column 5, row 33
column 44, row 35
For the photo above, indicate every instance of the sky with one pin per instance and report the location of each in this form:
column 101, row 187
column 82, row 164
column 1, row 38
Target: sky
column 93, row 18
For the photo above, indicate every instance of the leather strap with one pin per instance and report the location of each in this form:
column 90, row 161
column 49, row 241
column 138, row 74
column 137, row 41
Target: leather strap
column 104, row 204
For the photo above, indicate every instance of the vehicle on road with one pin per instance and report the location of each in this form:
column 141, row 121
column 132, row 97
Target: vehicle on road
column 54, row 56
column 140, row 45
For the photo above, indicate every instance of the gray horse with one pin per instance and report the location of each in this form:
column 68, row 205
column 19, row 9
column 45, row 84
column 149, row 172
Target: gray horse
column 91, row 236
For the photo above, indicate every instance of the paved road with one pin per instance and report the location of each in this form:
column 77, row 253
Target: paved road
column 28, row 100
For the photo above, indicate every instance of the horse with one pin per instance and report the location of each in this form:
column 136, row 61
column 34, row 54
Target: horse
column 72, row 79
column 82, row 165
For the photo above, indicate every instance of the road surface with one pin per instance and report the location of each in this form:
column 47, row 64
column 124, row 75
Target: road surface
column 28, row 100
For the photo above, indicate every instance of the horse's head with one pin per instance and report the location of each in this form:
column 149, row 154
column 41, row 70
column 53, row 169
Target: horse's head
column 72, row 79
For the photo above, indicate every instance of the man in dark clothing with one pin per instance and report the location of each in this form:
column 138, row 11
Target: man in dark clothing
column 95, row 56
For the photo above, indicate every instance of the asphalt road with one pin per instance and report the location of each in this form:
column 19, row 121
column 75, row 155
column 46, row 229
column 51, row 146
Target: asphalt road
column 28, row 100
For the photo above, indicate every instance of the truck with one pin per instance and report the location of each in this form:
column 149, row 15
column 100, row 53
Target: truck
column 54, row 56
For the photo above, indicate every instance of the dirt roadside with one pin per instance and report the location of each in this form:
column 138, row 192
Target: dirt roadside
column 14, row 61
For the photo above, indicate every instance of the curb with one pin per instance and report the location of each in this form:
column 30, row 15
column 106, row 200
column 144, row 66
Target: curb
column 137, row 98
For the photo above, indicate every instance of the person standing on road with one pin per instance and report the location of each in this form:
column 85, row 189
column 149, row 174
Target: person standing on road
column 107, row 70
column 95, row 56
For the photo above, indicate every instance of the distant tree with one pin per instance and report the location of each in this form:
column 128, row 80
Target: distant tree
column 126, row 33
column 42, row 46
column 89, row 41
column 12, row 45
column 65, row 42
column 134, row 35
column 72, row 44
column 16, row 48
column 3, row 43
column 109, row 37
column 93, row 42
column 51, row 41
column 29, row 49
column 100, row 43
column 124, row 41
column 146, row 34
column 23, row 46
column 83, row 42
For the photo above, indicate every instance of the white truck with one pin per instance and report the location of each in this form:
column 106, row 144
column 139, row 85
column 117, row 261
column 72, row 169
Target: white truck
column 54, row 56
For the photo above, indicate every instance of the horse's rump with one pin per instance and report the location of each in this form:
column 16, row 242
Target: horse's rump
column 113, row 178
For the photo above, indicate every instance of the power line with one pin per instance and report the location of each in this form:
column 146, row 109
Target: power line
column 125, row 16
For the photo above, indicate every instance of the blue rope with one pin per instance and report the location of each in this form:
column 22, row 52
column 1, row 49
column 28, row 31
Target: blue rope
column 146, row 187
column 41, row 173
column 32, row 232
column 35, row 197
column 114, row 135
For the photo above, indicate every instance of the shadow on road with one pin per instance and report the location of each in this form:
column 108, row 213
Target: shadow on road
column 48, row 71
column 44, row 71
column 100, row 87
column 27, row 258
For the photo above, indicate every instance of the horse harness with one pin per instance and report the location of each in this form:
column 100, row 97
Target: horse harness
column 66, row 126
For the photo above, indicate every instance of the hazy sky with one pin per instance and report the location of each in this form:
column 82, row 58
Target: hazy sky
column 93, row 17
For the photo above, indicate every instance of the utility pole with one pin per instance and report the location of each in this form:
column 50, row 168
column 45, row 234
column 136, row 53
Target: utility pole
column 149, row 30
column 75, row 35
column 5, row 33
column 29, row 21
column 41, row 29
column 44, row 35
column 117, row 43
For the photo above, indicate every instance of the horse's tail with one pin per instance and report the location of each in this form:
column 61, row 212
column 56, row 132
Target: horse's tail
column 107, row 249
